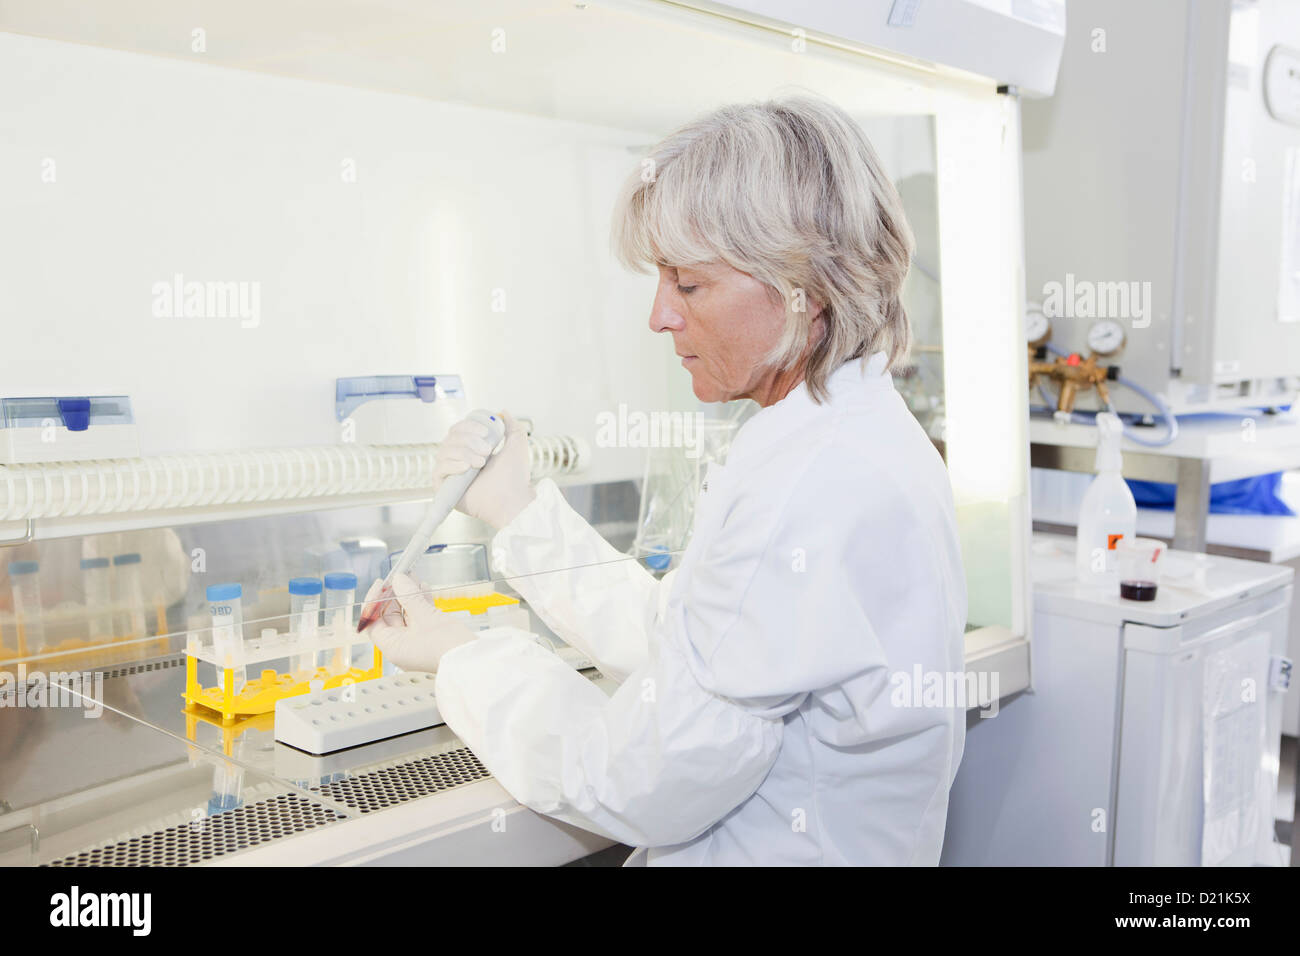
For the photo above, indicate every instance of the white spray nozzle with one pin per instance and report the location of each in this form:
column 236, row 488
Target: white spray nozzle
column 1110, row 432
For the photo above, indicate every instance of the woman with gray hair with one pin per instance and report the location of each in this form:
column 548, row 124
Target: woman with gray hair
column 766, row 711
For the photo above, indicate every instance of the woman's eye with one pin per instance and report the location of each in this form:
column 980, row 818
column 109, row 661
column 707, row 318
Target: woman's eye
column 686, row 289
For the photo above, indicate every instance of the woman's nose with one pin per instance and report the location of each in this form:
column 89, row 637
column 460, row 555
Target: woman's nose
column 664, row 316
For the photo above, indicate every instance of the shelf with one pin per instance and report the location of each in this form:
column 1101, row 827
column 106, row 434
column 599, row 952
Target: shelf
column 63, row 498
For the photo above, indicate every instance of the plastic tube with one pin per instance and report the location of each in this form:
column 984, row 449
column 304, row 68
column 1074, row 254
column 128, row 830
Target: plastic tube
column 225, row 605
column 24, row 577
column 340, row 598
column 130, row 596
column 97, row 588
column 304, row 616
column 1171, row 420
column 227, row 787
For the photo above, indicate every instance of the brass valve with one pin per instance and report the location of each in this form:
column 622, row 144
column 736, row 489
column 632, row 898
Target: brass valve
column 1073, row 375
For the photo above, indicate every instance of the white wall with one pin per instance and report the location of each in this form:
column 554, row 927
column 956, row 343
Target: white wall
column 164, row 167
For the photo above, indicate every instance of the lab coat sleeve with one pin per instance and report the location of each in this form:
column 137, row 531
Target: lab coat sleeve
column 656, row 764
column 773, row 611
column 595, row 598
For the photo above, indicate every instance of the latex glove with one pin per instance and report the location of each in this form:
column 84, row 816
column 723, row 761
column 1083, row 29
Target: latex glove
column 502, row 489
column 413, row 633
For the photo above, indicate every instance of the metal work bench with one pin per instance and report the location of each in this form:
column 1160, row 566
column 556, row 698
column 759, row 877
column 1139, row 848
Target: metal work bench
column 131, row 788
column 1209, row 449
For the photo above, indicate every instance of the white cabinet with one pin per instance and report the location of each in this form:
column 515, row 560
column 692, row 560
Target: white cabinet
column 1151, row 734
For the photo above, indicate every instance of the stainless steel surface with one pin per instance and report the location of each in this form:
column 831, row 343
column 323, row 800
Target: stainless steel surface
column 1140, row 466
column 114, row 780
column 132, row 787
column 283, row 815
column 1191, row 504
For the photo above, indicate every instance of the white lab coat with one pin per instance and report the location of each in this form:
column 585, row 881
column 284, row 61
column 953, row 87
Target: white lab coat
column 758, row 718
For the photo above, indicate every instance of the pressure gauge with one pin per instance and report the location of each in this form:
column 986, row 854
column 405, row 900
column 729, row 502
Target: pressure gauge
column 1106, row 337
column 1037, row 327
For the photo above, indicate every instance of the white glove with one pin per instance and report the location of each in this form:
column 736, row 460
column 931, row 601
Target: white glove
column 502, row 489
column 413, row 633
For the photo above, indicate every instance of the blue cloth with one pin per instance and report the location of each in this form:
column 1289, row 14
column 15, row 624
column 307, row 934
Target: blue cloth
column 1246, row 496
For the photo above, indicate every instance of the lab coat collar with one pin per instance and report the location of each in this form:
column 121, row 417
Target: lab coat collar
column 853, row 382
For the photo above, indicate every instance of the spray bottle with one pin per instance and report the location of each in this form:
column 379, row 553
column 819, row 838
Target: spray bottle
column 1108, row 513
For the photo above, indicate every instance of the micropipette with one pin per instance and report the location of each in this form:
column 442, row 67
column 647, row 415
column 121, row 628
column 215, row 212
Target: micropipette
column 445, row 499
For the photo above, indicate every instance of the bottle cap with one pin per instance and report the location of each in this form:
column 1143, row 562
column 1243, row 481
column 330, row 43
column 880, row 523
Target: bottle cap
column 225, row 592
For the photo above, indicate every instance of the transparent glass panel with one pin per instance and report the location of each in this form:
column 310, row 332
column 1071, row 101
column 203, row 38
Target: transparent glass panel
column 501, row 177
column 94, row 756
column 79, row 774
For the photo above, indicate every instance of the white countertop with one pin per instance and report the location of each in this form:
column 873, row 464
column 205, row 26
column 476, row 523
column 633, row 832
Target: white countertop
column 1237, row 445
column 1190, row 584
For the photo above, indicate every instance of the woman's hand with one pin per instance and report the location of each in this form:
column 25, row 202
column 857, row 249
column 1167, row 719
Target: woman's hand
column 502, row 489
column 413, row 633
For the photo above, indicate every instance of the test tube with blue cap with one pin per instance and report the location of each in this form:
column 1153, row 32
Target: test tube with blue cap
column 225, row 607
column 24, row 578
column 304, row 616
column 227, row 786
column 228, row 780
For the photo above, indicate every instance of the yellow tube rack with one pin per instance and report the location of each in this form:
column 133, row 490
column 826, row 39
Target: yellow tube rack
column 475, row 605
column 260, row 693
column 85, row 653
column 230, row 730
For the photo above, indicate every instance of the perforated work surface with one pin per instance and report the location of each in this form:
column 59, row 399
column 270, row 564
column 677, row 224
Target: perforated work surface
column 390, row 786
column 211, row 837
column 162, row 664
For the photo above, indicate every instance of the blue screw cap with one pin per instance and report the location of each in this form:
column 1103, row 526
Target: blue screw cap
column 225, row 592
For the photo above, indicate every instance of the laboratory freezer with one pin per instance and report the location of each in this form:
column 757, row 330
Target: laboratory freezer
column 1151, row 733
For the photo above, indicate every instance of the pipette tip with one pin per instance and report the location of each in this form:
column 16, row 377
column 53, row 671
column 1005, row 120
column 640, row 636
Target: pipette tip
column 375, row 609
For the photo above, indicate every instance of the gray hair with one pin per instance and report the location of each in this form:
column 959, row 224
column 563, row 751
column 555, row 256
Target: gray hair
column 790, row 192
